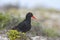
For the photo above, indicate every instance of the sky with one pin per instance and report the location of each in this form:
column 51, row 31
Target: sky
column 33, row 3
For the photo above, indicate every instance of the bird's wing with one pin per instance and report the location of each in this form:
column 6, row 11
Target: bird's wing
column 22, row 24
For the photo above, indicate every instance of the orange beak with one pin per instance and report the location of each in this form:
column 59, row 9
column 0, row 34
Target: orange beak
column 33, row 17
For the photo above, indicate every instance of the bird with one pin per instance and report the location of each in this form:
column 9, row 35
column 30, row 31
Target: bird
column 25, row 25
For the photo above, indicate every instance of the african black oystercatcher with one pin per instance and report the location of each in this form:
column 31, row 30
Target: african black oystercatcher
column 25, row 25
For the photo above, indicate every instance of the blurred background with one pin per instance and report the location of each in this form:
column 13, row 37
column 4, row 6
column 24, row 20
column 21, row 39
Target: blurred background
column 12, row 12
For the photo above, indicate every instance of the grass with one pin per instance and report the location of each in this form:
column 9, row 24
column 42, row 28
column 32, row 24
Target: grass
column 50, row 32
column 4, row 18
column 8, row 20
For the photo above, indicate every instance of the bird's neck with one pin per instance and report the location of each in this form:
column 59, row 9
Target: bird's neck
column 28, row 19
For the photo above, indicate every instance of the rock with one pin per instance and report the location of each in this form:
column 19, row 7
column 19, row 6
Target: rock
column 39, row 38
column 3, row 37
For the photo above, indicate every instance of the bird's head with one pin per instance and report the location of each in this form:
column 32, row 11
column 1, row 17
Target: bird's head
column 29, row 14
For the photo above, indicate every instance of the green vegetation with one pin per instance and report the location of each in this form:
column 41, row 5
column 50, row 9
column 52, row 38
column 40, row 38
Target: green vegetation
column 4, row 19
column 50, row 32
column 8, row 20
column 14, row 35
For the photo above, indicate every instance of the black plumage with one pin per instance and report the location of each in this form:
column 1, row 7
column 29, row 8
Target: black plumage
column 25, row 25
